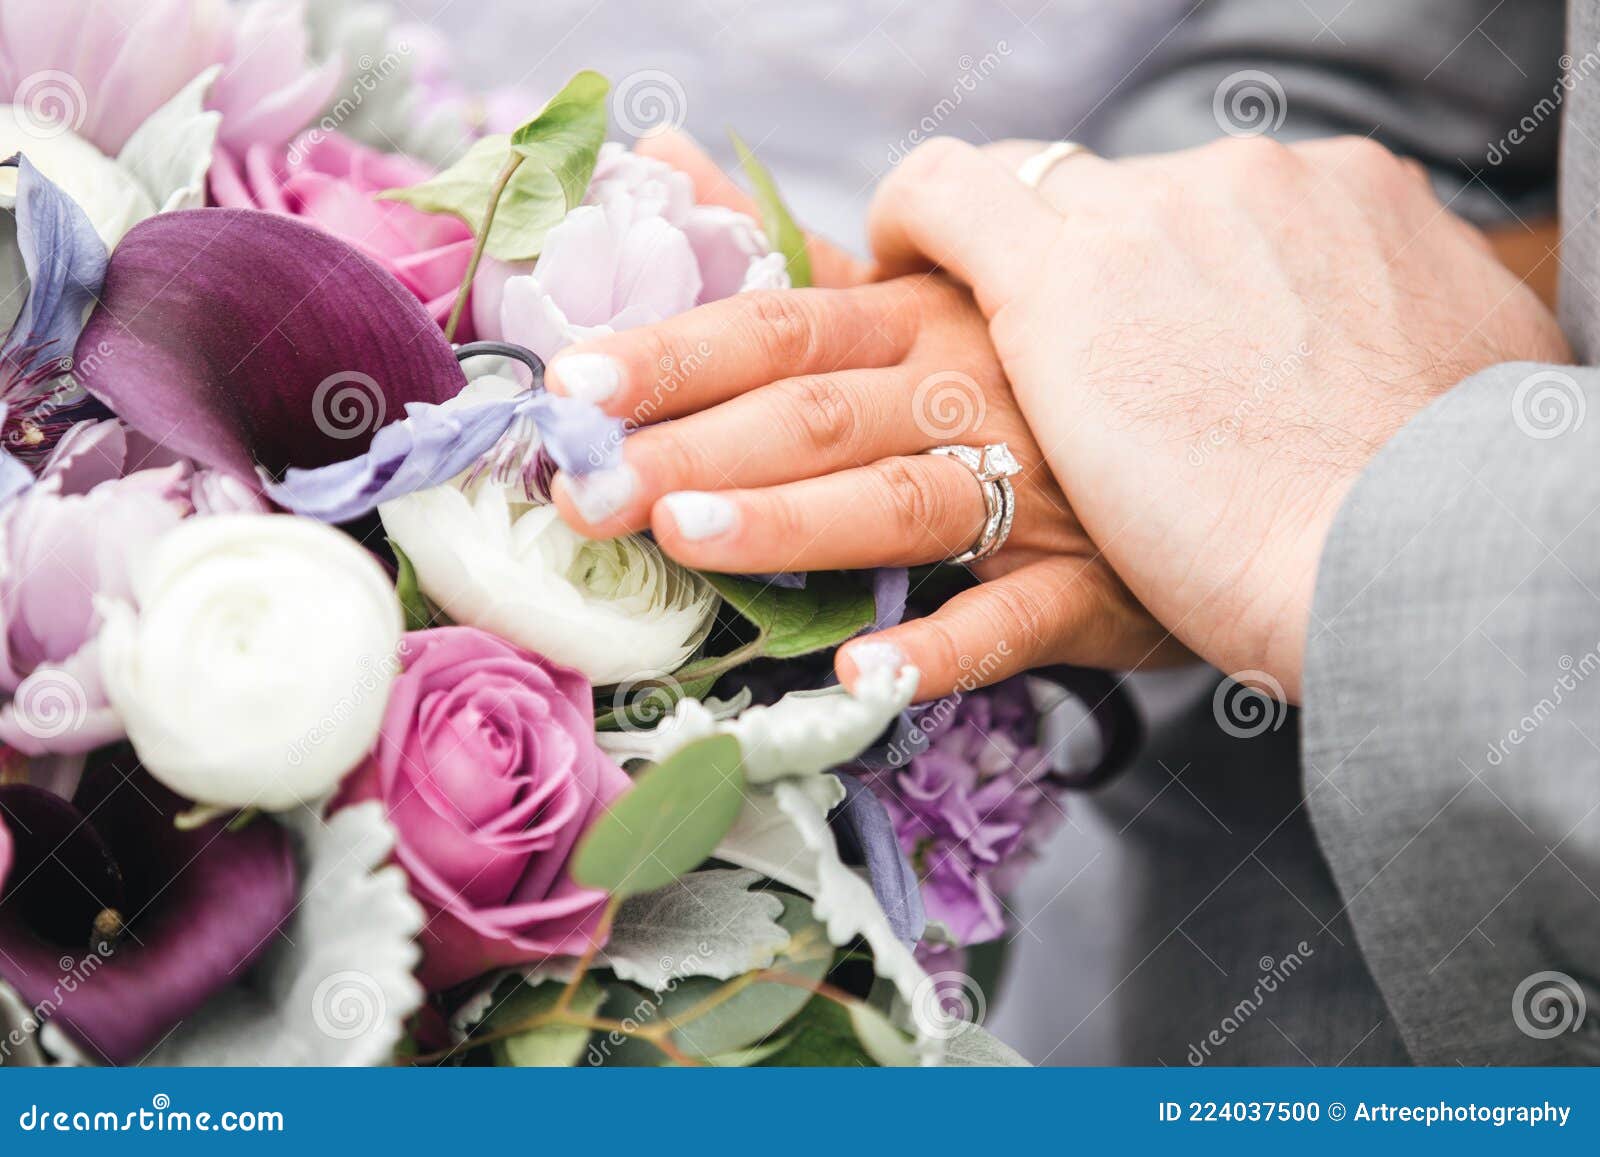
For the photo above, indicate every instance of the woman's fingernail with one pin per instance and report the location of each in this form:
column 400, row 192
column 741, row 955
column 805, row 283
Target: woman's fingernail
column 700, row 515
column 589, row 377
column 600, row 495
column 877, row 656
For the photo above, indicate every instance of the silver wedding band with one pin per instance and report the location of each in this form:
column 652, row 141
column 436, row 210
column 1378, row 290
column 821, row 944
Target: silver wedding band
column 993, row 466
column 1034, row 170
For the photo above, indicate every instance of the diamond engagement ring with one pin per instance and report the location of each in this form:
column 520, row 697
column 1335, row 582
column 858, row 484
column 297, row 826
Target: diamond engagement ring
column 993, row 466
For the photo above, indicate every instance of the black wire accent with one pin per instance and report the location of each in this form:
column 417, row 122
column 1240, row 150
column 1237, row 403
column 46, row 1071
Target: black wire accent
column 505, row 349
column 1115, row 715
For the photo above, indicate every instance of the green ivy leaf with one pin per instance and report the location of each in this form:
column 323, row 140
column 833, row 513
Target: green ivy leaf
column 785, row 236
column 667, row 823
column 550, row 1045
column 556, row 153
column 832, row 608
column 420, row 614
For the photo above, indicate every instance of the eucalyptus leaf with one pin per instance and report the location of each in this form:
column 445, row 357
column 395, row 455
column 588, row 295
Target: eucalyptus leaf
column 667, row 823
column 554, row 154
column 782, row 233
column 549, row 1045
column 705, row 924
column 758, row 1010
column 831, row 608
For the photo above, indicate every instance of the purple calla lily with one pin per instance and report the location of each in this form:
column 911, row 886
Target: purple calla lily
column 65, row 262
column 147, row 920
column 244, row 339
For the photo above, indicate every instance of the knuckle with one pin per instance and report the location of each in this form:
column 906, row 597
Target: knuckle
column 936, row 159
column 822, row 412
column 911, row 507
column 781, row 325
column 1019, row 612
column 1371, row 162
column 669, row 462
column 1251, row 154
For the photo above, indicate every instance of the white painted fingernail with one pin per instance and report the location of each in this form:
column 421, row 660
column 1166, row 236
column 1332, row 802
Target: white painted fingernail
column 600, row 495
column 877, row 656
column 589, row 377
column 700, row 515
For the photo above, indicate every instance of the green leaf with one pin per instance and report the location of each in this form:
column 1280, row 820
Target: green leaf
column 565, row 138
column 832, row 608
column 554, row 154
column 821, row 1037
column 667, row 823
column 419, row 614
column 650, row 703
column 884, row 1043
column 785, row 236
column 549, row 1045
column 756, row 1012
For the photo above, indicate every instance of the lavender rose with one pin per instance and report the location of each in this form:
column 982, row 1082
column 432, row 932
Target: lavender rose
column 488, row 768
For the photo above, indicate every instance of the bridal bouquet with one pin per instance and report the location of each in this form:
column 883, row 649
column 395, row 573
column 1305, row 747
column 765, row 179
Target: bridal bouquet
column 325, row 741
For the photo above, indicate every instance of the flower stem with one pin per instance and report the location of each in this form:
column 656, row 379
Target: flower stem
column 465, row 291
column 581, row 969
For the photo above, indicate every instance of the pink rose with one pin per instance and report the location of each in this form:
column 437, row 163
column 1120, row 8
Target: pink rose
column 331, row 182
column 488, row 767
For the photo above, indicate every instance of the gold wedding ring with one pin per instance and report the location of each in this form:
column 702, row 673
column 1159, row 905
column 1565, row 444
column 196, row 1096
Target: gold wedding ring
column 1034, row 170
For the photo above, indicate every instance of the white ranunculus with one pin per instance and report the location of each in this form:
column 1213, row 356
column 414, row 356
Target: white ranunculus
column 255, row 668
column 614, row 610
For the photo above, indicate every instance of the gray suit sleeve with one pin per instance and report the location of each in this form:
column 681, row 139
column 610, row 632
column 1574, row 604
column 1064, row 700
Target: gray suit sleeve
column 1468, row 87
column 1451, row 732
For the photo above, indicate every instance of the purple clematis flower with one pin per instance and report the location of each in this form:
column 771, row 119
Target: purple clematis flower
column 65, row 262
column 243, row 339
column 148, row 921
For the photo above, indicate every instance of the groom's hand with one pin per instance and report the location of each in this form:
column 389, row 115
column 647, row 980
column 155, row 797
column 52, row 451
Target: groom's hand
column 1211, row 345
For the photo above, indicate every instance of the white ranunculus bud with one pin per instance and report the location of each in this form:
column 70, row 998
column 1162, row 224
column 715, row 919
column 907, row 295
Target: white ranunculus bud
column 255, row 668
column 613, row 610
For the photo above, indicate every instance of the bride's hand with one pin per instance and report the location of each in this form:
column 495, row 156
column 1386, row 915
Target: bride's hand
column 799, row 422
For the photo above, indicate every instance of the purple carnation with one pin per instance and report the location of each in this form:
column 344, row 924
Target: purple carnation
column 973, row 809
